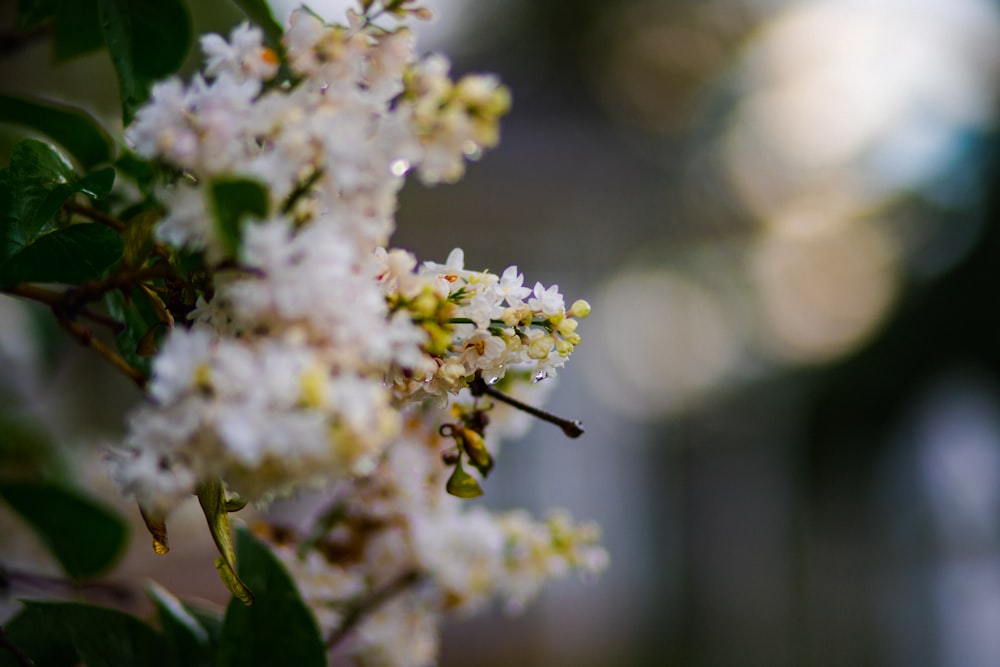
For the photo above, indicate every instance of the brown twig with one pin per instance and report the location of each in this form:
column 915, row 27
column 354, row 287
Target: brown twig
column 54, row 299
column 371, row 603
column 96, row 215
column 571, row 427
column 86, row 337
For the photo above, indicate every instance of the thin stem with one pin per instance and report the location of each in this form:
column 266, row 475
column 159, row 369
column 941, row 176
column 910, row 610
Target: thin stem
column 300, row 190
column 86, row 337
column 571, row 427
column 54, row 299
column 97, row 216
column 11, row 579
column 370, row 604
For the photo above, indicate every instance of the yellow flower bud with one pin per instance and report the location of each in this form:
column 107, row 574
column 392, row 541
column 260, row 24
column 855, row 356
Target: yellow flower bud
column 580, row 308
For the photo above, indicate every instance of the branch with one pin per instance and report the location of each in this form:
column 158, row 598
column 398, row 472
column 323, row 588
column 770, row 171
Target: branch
column 370, row 604
column 571, row 427
column 54, row 299
column 86, row 337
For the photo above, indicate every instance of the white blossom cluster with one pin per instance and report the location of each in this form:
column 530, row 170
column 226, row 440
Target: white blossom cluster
column 317, row 356
column 398, row 525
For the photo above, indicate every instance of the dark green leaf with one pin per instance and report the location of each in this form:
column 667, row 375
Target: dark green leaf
column 138, row 317
column 73, row 129
column 27, row 452
column 210, row 620
column 136, row 169
column 85, row 537
column 259, row 12
column 147, row 40
column 77, row 29
column 233, row 202
column 104, row 637
column 189, row 642
column 69, row 255
column 32, row 190
column 32, row 12
column 278, row 629
column 45, row 643
column 97, row 184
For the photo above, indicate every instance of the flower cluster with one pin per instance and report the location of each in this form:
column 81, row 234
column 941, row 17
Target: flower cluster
column 318, row 357
column 397, row 531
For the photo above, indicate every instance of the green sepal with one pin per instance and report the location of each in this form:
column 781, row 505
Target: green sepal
column 212, row 496
column 463, row 485
column 474, row 446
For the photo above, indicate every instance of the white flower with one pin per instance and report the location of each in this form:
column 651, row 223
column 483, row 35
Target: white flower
column 243, row 56
column 547, row 301
column 511, row 287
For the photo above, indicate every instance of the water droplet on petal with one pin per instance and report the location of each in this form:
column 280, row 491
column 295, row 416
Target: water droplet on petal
column 399, row 167
column 472, row 150
column 539, row 376
column 492, row 379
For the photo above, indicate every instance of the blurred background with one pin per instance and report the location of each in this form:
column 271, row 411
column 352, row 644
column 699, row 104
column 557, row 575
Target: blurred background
column 785, row 215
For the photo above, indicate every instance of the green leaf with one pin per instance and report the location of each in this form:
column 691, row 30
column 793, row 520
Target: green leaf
column 45, row 643
column 188, row 640
column 27, row 451
column 33, row 189
column 259, row 12
column 279, row 629
column 32, row 12
column 73, row 129
column 84, row 536
column 147, row 40
column 137, row 169
column 76, row 29
column 138, row 316
column 233, row 202
column 69, row 255
column 97, row 184
column 104, row 637
column 212, row 496
column 210, row 620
